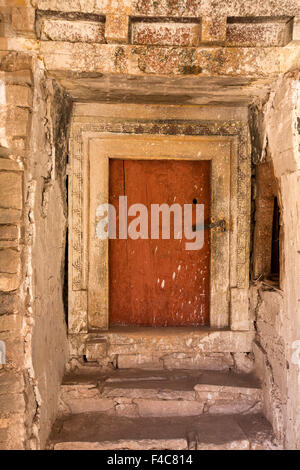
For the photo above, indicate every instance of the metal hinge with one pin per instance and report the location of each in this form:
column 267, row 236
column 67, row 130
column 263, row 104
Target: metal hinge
column 219, row 223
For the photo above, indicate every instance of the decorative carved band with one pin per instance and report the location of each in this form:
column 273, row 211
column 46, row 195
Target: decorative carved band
column 77, row 224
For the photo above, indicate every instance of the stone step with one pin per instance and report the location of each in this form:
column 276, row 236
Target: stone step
column 95, row 431
column 170, row 348
column 140, row 393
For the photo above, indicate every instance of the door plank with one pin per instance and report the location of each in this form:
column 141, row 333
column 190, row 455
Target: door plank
column 158, row 282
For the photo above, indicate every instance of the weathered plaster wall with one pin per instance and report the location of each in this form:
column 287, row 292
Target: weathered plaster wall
column 47, row 217
column 35, row 115
column 278, row 311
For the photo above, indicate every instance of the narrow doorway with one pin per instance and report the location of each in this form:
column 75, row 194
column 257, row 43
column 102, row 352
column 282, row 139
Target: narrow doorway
column 158, row 282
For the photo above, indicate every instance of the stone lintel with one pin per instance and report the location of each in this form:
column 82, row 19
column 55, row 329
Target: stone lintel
column 179, row 61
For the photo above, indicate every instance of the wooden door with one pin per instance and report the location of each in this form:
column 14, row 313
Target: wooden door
column 157, row 282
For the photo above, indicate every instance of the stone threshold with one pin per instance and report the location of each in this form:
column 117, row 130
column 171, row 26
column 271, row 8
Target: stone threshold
column 155, row 331
column 139, row 332
column 168, row 348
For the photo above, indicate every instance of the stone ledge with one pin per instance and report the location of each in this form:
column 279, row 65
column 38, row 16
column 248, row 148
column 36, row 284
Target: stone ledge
column 133, row 340
column 177, row 9
column 141, row 60
column 115, row 27
column 167, row 348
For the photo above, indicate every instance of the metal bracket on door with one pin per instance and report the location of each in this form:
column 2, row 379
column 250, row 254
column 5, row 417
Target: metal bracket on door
column 219, row 223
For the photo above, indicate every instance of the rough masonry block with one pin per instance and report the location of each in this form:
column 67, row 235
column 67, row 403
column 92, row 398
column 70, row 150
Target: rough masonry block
column 18, row 95
column 7, row 164
column 259, row 34
column 227, row 399
column 214, row 29
column 152, row 408
column 11, row 383
column 11, row 190
column 10, row 216
column 9, row 261
column 212, row 361
column 9, row 270
column 9, row 232
column 296, row 29
column 147, row 361
column 17, row 122
column 12, row 403
column 95, row 350
column 9, row 303
column 117, row 29
column 14, row 349
column 12, row 323
column 72, row 31
column 9, row 282
column 166, row 34
column 23, row 19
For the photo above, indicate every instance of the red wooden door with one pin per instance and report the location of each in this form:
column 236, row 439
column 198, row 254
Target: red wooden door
column 159, row 282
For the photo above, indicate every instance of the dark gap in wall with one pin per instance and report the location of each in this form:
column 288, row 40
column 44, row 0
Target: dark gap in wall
column 61, row 116
column 65, row 286
column 252, row 219
column 255, row 119
column 275, row 261
column 69, row 16
column 258, row 19
column 165, row 19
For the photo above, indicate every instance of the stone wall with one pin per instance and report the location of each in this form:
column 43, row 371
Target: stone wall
column 16, row 389
column 34, row 119
column 277, row 308
column 46, row 209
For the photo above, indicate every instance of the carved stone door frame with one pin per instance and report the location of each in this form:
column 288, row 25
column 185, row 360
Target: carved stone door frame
column 91, row 147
